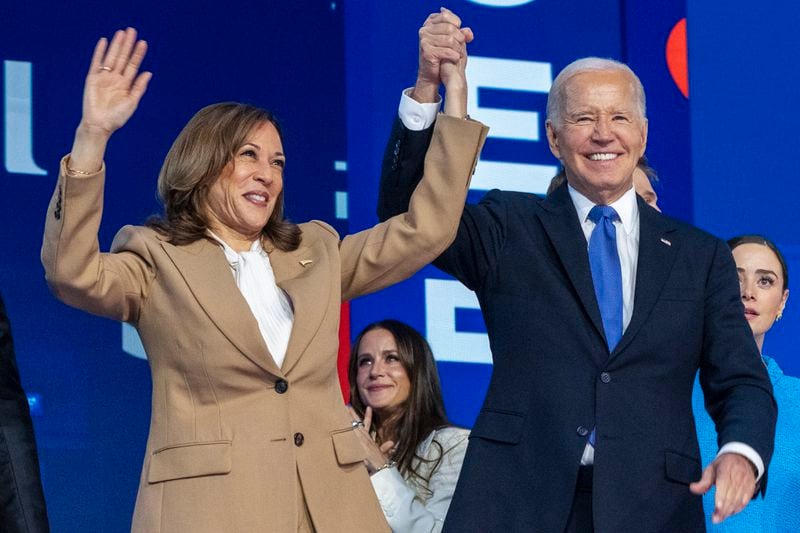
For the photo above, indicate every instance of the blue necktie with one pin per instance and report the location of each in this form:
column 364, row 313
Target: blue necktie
column 606, row 272
column 606, row 275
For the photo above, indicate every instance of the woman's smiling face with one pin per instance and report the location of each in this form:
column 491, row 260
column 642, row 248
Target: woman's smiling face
column 242, row 199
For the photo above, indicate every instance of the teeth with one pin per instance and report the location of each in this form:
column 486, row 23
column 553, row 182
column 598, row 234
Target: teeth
column 257, row 197
column 602, row 157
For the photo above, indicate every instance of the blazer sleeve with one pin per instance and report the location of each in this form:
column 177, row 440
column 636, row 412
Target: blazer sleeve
column 112, row 285
column 404, row 510
column 480, row 233
column 479, row 240
column 395, row 249
column 737, row 389
column 402, row 168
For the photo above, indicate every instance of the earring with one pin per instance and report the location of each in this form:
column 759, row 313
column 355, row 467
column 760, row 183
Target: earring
column 777, row 318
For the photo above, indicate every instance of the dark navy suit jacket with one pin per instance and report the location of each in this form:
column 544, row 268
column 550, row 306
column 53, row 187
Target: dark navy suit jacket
column 22, row 507
column 553, row 379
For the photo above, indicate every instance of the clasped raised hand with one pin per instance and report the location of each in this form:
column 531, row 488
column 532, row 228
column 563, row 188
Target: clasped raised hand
column 442, row 53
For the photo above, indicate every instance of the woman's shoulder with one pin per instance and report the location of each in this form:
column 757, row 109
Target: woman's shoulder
column 439, row 455
column 782, row 382
column 450, row 436
column 145, row 231
column 317, row 229
column 127, row 235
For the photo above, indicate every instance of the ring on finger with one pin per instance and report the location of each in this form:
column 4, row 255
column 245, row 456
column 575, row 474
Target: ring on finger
column 358, row 423
column 108, row 69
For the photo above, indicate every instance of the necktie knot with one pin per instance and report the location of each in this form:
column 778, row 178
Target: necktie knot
column 599, row 212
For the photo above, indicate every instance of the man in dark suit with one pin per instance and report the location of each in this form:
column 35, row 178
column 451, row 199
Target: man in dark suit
column 599, row 311
column 22, row 507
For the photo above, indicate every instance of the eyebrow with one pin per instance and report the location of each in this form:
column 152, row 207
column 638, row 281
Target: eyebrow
column 279, row 154
column 759, row 271
column 381, row 352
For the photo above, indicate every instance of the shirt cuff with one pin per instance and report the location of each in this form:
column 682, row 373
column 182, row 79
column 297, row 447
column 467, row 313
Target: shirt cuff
column 748, row 452
column 389, row 487
column 415, row 115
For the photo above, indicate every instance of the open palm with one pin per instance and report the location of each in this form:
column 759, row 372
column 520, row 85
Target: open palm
column 113, row 84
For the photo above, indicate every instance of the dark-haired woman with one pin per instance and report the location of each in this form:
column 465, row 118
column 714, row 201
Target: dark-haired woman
column 414, row 455
column 237, row 308
column 764, row 282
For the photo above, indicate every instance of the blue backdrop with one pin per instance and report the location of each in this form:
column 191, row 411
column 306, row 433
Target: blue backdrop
column 333, row 73
column 744, row 137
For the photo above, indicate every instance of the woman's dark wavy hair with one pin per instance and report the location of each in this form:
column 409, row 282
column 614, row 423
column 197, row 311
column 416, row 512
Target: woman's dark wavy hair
column 207, row 143
column 424, row 410
column 763, row 241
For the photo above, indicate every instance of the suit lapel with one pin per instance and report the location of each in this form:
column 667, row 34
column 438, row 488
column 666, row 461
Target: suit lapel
column 560, row 221
column 205, row 270
column 299, row 274
column 658, row 247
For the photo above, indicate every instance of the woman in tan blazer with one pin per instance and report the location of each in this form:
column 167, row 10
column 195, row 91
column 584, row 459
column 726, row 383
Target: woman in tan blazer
column 237, row 308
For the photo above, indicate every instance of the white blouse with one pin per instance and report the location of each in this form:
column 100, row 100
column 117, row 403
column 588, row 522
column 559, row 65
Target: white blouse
column 270, row 305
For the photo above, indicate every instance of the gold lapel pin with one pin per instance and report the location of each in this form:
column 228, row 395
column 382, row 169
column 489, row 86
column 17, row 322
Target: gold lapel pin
column 665, row 241
column 305, row 262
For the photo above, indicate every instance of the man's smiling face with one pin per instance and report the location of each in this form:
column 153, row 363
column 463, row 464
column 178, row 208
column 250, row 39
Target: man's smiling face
column 601, row 134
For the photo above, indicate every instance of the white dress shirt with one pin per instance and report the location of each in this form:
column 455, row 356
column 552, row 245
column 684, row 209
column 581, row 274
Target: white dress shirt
column 416, row 116
column 270, row 305
column 627, row 241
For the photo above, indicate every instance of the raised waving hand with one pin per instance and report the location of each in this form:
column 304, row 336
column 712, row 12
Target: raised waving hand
column 111, row 94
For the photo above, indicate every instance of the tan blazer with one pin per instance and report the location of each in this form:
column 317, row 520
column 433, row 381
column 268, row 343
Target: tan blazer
column 236, row 443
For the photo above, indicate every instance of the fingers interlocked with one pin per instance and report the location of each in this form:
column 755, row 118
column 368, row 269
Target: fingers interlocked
column 442, row 39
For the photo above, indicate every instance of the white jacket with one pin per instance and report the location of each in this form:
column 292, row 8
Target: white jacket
column 410, row 505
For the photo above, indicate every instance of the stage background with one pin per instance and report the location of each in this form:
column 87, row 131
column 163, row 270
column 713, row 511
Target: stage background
column 333, row 72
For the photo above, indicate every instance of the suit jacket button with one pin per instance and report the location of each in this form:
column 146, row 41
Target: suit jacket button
column 605, row 377
column 582, row 431
column 281, row 386
column 299, row 439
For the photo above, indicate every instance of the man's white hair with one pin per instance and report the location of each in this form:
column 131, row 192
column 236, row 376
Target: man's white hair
column 557, row 95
